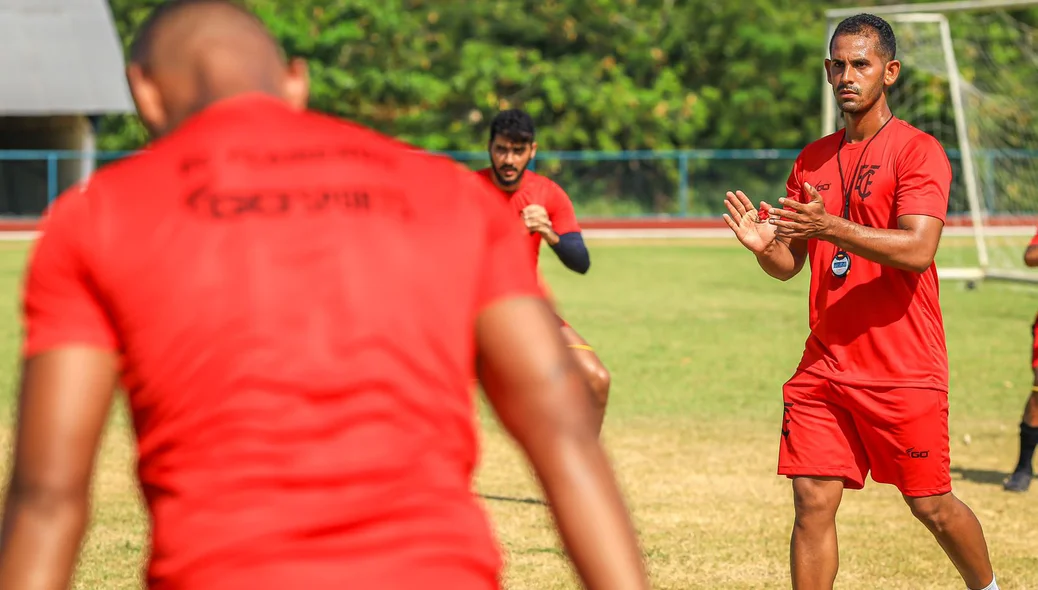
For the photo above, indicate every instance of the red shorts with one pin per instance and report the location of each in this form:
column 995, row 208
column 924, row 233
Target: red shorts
column 1034, row 344
column 899, row 433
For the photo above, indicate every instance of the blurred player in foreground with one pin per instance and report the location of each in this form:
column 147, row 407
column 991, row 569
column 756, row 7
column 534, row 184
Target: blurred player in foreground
column 1023, row 473
column 268, row 284
column 548, row 216
column 866, row 206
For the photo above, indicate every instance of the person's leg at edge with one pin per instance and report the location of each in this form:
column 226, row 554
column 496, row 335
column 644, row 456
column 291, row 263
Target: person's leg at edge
column 813, row 549
column 595, row 373
column 959, row 533
column 1023, row 473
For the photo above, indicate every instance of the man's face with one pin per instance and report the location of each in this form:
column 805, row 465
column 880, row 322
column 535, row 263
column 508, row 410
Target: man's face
column 509, row 159
column 859, row 76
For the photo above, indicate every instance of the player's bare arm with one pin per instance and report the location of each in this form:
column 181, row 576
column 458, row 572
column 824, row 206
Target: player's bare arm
column 540, row 396
column 911, row 246
column 1031, row 256
column 64, row 400
column 778, row 256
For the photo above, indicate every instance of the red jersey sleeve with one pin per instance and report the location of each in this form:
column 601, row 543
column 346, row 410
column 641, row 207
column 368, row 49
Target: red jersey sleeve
column 506, row 269
column 923, row 179
column 1034, row 240
column 60, row 301
column 560, row 211
column 794, row 185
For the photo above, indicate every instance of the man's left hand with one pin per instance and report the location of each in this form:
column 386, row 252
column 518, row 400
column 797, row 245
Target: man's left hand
column 801, row 220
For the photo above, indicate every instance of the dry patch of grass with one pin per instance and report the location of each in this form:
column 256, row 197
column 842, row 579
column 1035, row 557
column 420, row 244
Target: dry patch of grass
column 712, row 514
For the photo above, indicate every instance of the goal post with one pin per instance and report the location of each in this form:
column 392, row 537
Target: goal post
column 970, row 77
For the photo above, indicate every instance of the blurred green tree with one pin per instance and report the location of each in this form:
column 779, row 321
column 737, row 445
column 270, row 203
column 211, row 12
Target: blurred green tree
column 596, row 75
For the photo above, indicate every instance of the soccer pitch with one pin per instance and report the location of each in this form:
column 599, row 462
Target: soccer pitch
column 698, row 342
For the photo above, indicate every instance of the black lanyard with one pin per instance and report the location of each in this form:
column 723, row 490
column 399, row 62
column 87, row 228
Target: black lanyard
column 846, row 192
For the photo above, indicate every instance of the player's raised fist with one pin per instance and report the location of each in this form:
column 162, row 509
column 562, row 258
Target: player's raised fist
column 536, row 218
column 748, row 223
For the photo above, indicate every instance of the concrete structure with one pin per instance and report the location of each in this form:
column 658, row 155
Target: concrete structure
column 63, row 67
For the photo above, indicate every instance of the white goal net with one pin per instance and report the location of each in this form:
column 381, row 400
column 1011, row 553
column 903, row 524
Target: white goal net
column 970, row 77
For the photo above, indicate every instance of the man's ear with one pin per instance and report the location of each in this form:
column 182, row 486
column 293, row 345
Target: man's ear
column 891, row 73
column 148, row 99
column 297, row 84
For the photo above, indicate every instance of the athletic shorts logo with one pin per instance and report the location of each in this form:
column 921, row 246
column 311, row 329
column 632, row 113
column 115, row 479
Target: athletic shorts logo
column 786, row 419
column 914, row 454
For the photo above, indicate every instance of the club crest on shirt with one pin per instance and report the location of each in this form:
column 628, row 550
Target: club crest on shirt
column 864, row 181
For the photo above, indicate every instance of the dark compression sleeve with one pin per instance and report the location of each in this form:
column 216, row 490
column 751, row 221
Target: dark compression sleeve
column 572, row 252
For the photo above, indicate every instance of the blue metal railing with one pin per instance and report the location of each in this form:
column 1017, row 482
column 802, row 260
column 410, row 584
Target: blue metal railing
column 680, row 157
column 679, row 170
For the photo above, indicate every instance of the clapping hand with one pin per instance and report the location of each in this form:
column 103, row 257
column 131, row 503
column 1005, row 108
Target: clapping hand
column 749, row 225
column 801, row 220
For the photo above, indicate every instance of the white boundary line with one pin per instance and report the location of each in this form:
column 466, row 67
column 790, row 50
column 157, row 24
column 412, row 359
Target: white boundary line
column 724, row 232
column 17, row 236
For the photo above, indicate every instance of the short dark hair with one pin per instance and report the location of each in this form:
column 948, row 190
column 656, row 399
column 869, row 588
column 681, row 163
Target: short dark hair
column 514, row 125
column 140, row 47
column 869, row 24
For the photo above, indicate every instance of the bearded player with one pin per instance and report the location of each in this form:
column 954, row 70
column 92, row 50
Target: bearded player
column 548, row 214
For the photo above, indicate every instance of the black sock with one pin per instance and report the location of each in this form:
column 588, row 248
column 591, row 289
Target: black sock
column 1028, row 441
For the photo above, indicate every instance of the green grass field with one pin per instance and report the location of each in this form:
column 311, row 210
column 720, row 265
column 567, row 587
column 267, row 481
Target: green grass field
column 699, row 343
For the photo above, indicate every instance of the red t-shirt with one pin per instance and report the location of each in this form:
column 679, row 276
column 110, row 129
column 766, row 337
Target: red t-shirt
column 535, row 189
column 1034, row 242
column 878, row 326
column 297, row 349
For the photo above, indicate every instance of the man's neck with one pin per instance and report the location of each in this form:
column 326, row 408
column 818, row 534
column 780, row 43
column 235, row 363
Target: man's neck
column 862, row 126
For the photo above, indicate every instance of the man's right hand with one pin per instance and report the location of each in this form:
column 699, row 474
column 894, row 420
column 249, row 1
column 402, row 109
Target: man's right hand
column 753, row 232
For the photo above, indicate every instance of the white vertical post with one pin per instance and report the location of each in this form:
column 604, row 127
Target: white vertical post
column 968, row 165
column 828, row 100
column 87, row 148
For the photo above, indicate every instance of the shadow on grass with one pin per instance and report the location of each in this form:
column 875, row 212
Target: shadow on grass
column 534, row 501
column 981, row 476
